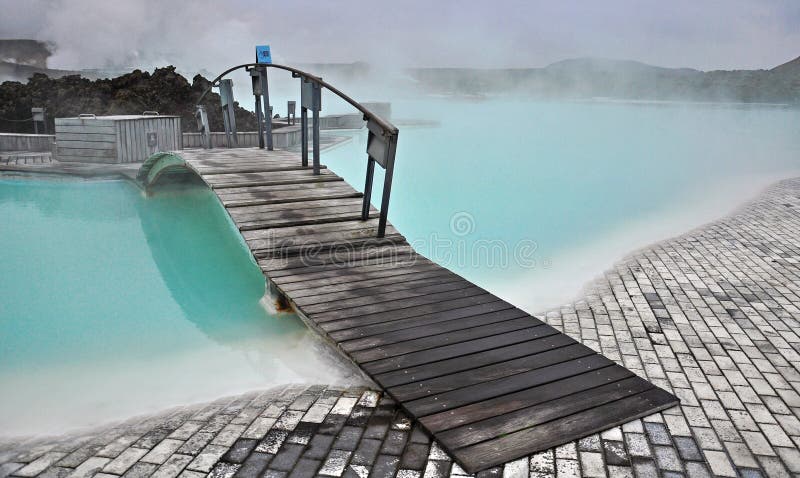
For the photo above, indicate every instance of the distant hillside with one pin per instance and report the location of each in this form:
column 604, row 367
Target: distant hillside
column 788, row 68
column 622, row 79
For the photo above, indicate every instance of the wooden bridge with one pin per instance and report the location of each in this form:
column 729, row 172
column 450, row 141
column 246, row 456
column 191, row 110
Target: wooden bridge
column 490, row 382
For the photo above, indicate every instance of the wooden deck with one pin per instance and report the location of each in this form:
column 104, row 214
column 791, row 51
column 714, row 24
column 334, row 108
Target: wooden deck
column 490, row 382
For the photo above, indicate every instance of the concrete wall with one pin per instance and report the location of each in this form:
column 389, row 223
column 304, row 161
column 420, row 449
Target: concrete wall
column 26, row 142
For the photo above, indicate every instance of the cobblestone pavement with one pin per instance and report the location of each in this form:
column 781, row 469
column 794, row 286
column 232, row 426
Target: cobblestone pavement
column 711, row 316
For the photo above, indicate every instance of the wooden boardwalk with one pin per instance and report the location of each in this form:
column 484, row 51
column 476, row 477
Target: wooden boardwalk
column 490, row 382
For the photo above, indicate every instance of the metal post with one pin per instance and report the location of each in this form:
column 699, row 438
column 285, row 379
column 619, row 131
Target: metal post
column 262, row 70
column 368, row 189
column 387, row 186
column 260, row 123
column 228, row 111
column 315, row 139
column 202, row 126
column 304, row 134
column 255, row 78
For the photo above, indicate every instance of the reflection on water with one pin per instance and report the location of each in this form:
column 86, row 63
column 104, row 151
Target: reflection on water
column 115, row 304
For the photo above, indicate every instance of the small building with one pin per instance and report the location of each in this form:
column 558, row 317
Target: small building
column 116, row 139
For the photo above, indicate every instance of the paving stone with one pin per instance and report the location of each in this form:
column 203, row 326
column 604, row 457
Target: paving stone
column 348, row 438
column 207, row 458
column 240, row 450
column 305, row 468
column 173, row 466
column 366, row 452
column 385, row 465
column 254, row 465
column 719, row 463
column 140, row 470
column 687, row 448
column 336, row 463
column 592, row 464
column 223, row 470
column 286, row 457
column 414, row 457
column 162, row 451
column 125, row 460
column 437, row 469
column 318, row 447
column 667, row 458
column 39, row 465
column 394, row 442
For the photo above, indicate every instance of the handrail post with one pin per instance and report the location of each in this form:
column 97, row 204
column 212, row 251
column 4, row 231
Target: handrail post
column 368, row 189
column 315, row 139
column 262, row 71
column 255, row 78
column 387, row 184
column 311, row 99
column 202, row 125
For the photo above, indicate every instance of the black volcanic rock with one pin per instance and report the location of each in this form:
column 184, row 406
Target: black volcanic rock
column 164, row 91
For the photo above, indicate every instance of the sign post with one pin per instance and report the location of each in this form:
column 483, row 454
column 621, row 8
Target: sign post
column 264, row 56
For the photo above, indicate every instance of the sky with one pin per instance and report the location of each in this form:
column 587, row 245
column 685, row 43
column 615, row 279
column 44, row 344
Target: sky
column 207, row 35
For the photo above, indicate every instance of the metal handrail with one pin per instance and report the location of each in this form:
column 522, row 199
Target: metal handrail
column 385, row 125
column 381, row 142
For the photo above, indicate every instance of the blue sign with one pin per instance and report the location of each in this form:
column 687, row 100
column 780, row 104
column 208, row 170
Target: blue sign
column 263, row 55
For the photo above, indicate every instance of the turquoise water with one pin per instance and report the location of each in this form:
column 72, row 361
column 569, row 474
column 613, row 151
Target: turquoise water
column 532, row 199
column 114, row 304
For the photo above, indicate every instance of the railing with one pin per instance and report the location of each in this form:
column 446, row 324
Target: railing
column 381, row 142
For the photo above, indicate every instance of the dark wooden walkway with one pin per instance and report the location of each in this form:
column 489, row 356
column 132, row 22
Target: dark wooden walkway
column 490, row 382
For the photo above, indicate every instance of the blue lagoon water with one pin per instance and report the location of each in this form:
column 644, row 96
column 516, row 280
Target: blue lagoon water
column 115, row 304
column 532, row 199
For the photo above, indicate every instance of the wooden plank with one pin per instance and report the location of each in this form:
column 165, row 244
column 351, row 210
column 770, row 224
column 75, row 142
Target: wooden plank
column 370, row 289
column 367, row 332
column 426, row 329
column 533, row 395
column 311, row 249
column 297, row 212
column 315, row 204
column 550, row 351
column 290, row 238
column 524, row 442
column 458, row 350
column 434, row 341
column 348, row 300
column 416, row 311
column 536, row 415
column 100, row 137
column 298, row 269
column 78, row 144
column 298, row 179
column 394, row 305
column 394, row 281
column 504, row 386
column 84, row 129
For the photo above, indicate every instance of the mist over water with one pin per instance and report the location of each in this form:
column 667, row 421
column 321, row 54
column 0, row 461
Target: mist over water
column 562, row 190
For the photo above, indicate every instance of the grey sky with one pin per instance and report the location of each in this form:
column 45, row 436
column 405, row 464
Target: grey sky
column 197, row 34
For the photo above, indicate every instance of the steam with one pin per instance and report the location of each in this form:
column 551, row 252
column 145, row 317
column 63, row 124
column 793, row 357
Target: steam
column 203, row 34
